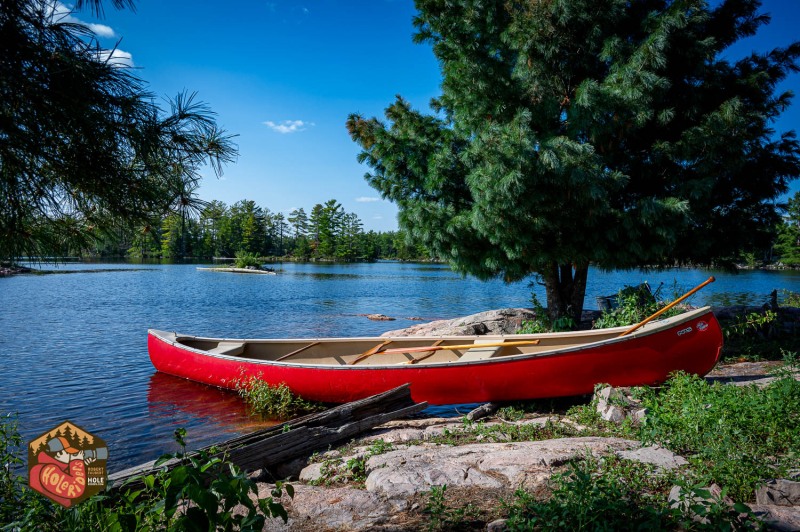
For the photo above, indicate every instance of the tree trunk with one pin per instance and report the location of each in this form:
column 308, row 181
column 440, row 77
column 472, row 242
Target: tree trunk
column 565, row 285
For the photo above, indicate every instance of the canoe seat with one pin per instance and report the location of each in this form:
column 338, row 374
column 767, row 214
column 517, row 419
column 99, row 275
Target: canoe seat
column 481, row 353
column 228, row 348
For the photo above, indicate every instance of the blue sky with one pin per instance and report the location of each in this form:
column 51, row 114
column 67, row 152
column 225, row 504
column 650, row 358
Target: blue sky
column 284, row 75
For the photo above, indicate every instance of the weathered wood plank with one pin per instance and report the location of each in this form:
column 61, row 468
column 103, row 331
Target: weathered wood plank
column 274, row 445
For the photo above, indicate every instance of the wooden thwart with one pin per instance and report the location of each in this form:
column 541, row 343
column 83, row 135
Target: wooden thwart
column 296, row 351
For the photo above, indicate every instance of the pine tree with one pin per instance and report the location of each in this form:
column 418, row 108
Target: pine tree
column 578, row 132
column 83, row 146
column 787, row 245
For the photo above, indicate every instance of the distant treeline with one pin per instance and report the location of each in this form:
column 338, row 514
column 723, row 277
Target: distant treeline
column 213, row 229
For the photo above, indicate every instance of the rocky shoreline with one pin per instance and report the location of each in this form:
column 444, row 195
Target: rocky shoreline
column 6, row 270
column 385, row 478
column 402, row 461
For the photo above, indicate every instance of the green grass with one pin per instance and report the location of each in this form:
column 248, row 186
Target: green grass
column 352, row 470
column 735, row 436
column 615, row 494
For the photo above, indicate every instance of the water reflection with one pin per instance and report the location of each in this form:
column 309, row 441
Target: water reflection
column 192, row 405
column 98, row 324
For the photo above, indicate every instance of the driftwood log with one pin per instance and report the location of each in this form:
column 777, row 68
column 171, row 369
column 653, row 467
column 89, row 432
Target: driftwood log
column 267, row 448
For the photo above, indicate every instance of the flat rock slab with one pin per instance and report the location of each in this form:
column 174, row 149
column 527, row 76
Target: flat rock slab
column 747, row 373
column 781, row 518
column 397, row 480
column 334, row 508
column 398, row 475
column 655, row 455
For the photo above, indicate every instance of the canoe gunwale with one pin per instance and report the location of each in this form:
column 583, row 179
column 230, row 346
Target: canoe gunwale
column 650, row 329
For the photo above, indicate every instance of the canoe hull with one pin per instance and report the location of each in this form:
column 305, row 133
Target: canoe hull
column 692, row 346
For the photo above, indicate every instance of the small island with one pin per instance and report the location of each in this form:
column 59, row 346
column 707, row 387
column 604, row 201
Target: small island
column 233, row 269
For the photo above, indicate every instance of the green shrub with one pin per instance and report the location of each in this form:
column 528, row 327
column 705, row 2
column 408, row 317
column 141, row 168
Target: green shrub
column 615, row 494
column 273, row 402
column 756, row 336
column 245, row 260
column 586, row 497
column 542, row 322
column 633, row 306
column 20, row 506
column 789, row 298
column 734, row 436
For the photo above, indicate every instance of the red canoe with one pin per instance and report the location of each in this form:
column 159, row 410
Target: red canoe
column 450, row 369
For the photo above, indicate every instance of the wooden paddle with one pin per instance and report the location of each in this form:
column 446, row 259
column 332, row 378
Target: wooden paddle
column 663, row 310
column 370, row 352
column 426, row 348
column 426, row 355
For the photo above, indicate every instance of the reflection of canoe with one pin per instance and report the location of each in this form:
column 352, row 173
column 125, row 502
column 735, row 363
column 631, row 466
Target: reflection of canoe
column 191, row 404
column 450, row 369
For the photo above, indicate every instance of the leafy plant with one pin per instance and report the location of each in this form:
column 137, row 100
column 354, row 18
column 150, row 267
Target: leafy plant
column 789, row 298
column 199, row 493
column 510, row 413
column 337, row 470
column 273, row 402
column 21, row 508
column 615, row 494
column 753, row 323
column 758, row 335
column 634, row 304
column 585, row 498
column 542, row 323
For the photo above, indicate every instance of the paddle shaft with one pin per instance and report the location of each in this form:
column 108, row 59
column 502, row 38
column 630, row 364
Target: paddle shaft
column 426, row 348
column 663, row 310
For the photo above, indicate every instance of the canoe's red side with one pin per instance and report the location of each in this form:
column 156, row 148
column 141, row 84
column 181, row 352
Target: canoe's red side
column 693, row 347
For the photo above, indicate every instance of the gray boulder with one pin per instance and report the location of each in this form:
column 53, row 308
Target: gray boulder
column 502, row 321
column 779, row 492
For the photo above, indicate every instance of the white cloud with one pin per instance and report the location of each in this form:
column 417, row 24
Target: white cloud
column 377, row 217
column 101, row 30
column 288, row 126
column 367, row 199
column 63, row 13
column 116, row 57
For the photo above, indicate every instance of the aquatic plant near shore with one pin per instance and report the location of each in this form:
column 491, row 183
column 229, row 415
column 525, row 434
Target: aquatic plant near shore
column 273, row 402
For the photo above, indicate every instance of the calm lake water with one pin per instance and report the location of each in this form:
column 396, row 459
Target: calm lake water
column 73, row 347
